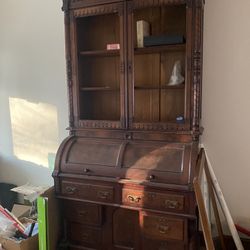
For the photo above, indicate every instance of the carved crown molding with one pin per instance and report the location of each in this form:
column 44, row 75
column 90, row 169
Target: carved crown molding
column 104, row 9
column 145, row 3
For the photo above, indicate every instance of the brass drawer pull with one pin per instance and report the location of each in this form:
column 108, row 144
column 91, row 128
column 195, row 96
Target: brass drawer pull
column 103, row 195
column 163, row 229
column 172, row 204
column 85, row 237
column 70, row 190
column 82, row 213
column 133, row 199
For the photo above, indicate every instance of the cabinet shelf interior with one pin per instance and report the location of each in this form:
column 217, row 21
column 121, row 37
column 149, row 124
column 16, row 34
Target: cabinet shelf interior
column 100, row 53
column 154, row 100
column 163, row 87
column 105, row 88
column 160, row 49
column 95, row 32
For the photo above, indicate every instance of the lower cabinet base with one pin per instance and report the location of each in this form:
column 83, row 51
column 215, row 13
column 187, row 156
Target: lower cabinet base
column 161, row 245
column 96, row 227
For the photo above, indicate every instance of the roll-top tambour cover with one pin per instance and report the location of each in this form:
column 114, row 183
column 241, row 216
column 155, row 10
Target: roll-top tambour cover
column 137, row 160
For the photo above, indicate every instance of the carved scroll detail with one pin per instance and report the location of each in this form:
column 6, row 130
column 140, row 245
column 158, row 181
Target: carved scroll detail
column 70, row 92
column 99, row 124
column 160, row 127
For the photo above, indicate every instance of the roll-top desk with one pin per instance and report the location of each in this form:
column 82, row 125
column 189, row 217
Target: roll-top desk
column 124, row 175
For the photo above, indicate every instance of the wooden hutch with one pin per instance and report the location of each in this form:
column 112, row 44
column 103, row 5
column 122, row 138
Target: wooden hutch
column 124, row 175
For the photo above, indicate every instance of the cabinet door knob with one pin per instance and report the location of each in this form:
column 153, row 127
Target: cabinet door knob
column 86, row 170
column 128, row 136
column 151, row 177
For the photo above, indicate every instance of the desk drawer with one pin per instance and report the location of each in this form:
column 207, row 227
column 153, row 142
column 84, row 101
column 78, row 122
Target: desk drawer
column 90, row 192
column 81, row 212
column 162, row 227
column 153, row 200
column 88, row 236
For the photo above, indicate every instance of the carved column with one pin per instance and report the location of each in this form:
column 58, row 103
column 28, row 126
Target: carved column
column 197, row 66
column 65, row 8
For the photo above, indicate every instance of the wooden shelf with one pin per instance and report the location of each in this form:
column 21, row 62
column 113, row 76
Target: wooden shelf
column 99, row 88
column 158, row 49
column 148, row 87
column 100, row 53
column 180, row 86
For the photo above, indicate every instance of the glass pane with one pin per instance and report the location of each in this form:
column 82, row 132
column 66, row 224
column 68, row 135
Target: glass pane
column 95, row 32
column 99, row 67
column 159, row 45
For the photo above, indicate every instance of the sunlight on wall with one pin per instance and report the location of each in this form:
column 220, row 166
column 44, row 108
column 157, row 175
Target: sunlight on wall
column 34, row 130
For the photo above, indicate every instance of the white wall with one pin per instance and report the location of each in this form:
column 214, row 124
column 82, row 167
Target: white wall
column 226, row 100
column 32, row 68
column 32, row 84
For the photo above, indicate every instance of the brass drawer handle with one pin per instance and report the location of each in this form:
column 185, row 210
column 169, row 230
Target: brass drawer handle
column 163, row 229
column 85, row 237
column 172, row 204
column 70, row 190
column 103, row 195
column 133, row 199
column 82, row 213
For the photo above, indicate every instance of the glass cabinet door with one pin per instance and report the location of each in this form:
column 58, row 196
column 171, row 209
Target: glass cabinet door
column 158, row 80
column 99, row 36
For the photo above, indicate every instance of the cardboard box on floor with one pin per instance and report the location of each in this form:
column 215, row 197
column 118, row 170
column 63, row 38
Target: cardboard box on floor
column 49, row 227
column 29, row 244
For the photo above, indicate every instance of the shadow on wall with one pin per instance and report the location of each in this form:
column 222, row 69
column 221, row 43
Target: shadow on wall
column 34, row 129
